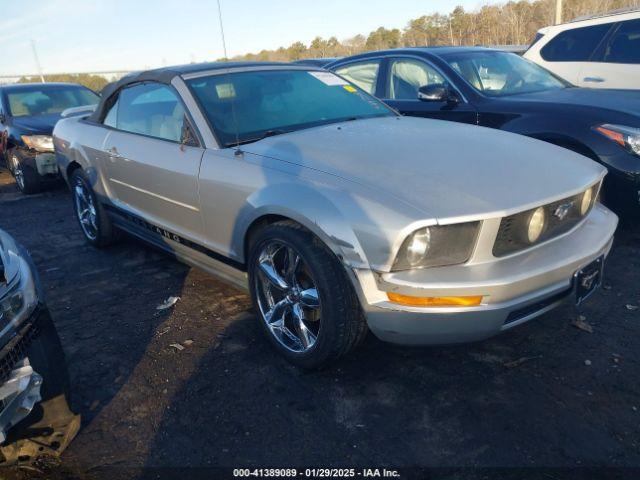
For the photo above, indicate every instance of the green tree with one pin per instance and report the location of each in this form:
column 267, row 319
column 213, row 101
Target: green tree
column 94, row 82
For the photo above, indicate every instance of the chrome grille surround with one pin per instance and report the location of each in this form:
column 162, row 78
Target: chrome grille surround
column 561, row 217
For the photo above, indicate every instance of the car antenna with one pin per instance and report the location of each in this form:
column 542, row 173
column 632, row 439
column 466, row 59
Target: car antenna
column 238, row 151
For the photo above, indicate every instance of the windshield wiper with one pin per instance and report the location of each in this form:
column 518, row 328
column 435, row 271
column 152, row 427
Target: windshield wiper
column 266, row 134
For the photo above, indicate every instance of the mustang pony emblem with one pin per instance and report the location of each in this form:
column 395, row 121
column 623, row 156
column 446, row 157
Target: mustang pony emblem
column 563, row 210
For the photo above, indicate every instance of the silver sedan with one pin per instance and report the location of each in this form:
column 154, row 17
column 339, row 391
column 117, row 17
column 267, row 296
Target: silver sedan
column 337, row 214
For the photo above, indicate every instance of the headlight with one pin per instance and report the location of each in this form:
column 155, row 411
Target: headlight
column 587, row 199
column 626, row 137
column 18, row 299
column 437, row 246
column 19, row 295
column 536, row 225
column 40, row 143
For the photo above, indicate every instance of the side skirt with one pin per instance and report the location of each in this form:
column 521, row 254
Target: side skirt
column 185, row 250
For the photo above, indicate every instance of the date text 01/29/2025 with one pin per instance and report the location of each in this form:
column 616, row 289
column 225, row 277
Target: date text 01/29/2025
column 316, row 472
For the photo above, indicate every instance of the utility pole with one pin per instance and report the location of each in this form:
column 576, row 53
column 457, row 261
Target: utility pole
column 35, row 56
column 558, row 12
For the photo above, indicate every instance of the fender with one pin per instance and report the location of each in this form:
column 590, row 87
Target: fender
column 313, row 210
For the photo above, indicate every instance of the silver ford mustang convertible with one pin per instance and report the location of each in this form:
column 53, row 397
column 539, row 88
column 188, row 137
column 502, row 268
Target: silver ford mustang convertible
column 337, row 214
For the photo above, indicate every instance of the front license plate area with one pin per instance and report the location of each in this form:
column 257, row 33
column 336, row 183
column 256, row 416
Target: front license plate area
column 588, row 279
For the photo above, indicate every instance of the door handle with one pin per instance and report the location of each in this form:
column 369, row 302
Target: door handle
column 594, row 79
column 113, row 152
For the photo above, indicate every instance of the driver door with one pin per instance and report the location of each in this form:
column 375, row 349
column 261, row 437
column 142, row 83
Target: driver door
column 154, row 158
column 404, row 79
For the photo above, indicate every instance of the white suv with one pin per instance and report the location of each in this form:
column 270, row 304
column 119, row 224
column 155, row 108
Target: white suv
column 596, row 52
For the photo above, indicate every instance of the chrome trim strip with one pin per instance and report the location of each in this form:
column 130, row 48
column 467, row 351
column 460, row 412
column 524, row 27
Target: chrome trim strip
column 190, row 207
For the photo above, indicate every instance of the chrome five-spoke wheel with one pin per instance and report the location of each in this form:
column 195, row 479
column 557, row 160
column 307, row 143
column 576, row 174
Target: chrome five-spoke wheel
column 287, row 296
column 18, row 173
column 85, row 209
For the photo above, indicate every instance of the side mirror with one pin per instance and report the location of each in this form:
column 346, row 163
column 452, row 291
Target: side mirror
column 437, row 92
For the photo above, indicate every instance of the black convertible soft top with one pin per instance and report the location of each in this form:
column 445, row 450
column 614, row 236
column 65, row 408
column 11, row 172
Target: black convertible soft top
column 164, row 75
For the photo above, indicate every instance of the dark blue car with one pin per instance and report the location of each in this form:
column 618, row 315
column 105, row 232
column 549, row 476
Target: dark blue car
column 501, row 90
column 28, row 113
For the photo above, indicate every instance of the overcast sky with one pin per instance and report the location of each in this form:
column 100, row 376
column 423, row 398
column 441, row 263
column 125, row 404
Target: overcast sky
column 99, row 35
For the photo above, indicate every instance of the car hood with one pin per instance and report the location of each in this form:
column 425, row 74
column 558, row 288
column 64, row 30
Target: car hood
column 626, row 101
column 38, row 124
column 448, row 170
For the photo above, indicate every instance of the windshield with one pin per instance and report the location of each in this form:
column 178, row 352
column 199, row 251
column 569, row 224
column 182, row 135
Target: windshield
column 262, row 103
column 499, row 74
column 48, row 100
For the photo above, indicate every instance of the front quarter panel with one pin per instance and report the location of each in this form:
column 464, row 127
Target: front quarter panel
column 359, row 227
column 81, row 142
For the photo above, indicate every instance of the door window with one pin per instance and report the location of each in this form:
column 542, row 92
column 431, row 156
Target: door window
column 624, row 46
column 111, row 119
column 575, row 45
column 363, row 74
column 408, row 75
column 153, row 110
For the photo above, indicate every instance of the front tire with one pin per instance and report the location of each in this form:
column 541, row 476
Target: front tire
column 304, row 301
column 27, row 179
column 94, row 222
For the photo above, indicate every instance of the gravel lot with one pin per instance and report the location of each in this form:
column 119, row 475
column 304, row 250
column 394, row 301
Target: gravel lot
column 546, row 394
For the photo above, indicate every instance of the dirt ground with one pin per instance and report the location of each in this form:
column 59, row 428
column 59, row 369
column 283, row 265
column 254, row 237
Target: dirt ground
column 546, row 394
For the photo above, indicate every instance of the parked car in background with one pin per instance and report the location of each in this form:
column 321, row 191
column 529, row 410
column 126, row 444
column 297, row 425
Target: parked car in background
column 35, row 418
column 28, row 113
column 334, row 211
column 596, row 52
column 315, row 62
column 504, row 91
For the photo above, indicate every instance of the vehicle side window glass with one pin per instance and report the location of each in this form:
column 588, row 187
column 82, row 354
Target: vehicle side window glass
column 574, row 45
column 111, row 118
column 363, row 74
column 624, row 46
column 153, row 110
column 408, row 75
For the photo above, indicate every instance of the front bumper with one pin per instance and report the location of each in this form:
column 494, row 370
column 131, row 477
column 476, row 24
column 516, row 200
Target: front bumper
column 18, row 395
column 44, row 163
column 515, row 289
column 621, row 187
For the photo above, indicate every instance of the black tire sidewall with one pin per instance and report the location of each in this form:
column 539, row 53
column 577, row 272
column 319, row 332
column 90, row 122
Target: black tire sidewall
column 105, row 231
column 324, row 269
column 32, row 182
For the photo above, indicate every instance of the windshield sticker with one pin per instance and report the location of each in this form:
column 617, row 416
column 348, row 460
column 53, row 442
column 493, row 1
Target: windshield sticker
column 349, row 88
column 225, row 91
column 328, row 78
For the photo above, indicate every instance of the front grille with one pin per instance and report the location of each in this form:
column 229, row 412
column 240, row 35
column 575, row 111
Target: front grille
column 16, row 349
column 512, row 234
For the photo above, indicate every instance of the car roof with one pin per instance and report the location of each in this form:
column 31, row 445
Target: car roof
column 433, row 51
column 167, row 74
column 613, row 16
column 17, row 87
column 316, row 61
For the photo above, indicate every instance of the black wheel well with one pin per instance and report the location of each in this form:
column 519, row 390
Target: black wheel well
column 258, row 224
column 72, row 167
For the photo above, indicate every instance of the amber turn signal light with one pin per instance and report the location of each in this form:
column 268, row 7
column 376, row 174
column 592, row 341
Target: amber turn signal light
column 471, row 301
column 615, row 136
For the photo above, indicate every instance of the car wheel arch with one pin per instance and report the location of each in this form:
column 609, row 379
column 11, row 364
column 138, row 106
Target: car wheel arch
column 72, row 167
column 342, row 249
column 569, row 143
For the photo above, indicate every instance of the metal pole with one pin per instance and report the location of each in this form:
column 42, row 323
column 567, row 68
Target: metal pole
column 558, row 12
column 35, row 56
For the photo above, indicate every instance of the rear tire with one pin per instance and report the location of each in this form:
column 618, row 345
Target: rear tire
column 304, row 302
column 27, row 179
column 94, row 222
